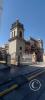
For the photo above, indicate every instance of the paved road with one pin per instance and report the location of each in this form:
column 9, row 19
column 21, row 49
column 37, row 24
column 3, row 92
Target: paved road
column 19, row 79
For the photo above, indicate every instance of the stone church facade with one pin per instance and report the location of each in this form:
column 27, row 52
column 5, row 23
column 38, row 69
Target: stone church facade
column 17, row 46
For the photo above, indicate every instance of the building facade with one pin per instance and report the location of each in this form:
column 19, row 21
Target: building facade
column 16, row 42
column 19, row 48
column 44, row 57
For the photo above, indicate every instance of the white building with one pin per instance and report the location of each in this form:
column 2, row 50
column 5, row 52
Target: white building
column 44, row 57
column 16, row 42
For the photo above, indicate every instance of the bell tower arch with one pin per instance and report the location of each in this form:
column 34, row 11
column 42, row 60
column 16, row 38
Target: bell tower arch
column 17, row 30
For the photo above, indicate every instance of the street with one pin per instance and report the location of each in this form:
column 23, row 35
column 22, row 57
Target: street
column 23, row 82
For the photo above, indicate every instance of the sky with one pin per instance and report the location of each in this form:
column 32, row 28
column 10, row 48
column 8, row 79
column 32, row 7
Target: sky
column 29, row 12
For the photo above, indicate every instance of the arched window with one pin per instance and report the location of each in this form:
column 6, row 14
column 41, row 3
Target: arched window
column 20, row 35
column 14, row 33
column 20, row 48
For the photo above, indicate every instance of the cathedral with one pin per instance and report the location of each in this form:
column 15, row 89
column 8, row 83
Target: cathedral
column 17, row 46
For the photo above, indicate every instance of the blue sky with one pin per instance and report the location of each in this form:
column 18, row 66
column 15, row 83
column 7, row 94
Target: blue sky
column 30, row 12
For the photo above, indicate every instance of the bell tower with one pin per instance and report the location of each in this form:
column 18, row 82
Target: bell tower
column 16, row 41
column 17, row 30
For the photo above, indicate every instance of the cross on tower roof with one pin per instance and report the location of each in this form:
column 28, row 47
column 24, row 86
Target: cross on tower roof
column 17, row 24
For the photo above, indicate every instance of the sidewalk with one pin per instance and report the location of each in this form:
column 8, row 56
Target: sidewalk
column 38, row 64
